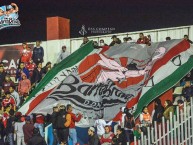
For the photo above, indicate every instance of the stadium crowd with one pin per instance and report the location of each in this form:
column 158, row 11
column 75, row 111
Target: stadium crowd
column 17, row 128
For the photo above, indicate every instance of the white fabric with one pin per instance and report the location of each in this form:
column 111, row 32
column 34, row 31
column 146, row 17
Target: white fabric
column 15, row 96
column 19, row 128
column 100, row 124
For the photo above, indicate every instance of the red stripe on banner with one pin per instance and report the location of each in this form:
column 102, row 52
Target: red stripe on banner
column 133, row 101
column 104, row 48
column 88, row 62
column 124, row 61
column 37, row 100
column 180, row 47
column 91, row 76
column 130, row 81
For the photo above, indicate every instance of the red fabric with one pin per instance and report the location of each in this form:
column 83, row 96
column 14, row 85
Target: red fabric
column 30, row 67
column 24, row 86
column 107, row 140
column 74, row 119
column 145, row 40
column 104, row 48
column 26, row 55
column 5, row 102
column 40, row 119
column 118, row 117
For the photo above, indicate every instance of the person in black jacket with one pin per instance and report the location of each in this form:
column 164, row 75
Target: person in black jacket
column 9, row 130
column 54, row 124
column 119, row 138
column 36, row 139
column 2, row 77
column 93, row 137
column 38, row 53
column 37, row 75
column 159, row 110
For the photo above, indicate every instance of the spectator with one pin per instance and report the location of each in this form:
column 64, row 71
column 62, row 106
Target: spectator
column 145, row 120
column 19, row 130
column 2, row 77
column 102, row 43
column 27, row 129
column 7, row 83
column 37, row 75
column 74, row 118
column 158, row 112
column 143, row 39
column 85, row 40
column 106, row 138
column 36, row 139
column 31, row 66
column 1, row 128
column 168, row 108
column 145, row 117
column 21, row 69
column 46, row 68
column 8, row 101
column 9, row 130
column 39, row 123
column 149, row 37
column 96, row 45
column 187, row 38
column 119, row 138
column 63, row 54
column 100, row 124
column 26, row 53
column 54, row 124
column 115, row 41
column 125, row 39
column 187, row 90
column 15, row 95
column 38, row 53
column 168, row 38
column 24, row 85
column 63, row 122
column 137, row 131
column 129, row 124
column 93, row 138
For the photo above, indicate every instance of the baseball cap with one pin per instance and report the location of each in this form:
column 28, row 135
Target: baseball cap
column 92, row 128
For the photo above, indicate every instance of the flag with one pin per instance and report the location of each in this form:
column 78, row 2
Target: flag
column 129, row 75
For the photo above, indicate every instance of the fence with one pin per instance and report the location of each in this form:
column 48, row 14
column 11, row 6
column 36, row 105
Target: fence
column 175, row 131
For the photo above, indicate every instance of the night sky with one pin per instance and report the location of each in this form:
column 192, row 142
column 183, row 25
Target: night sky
column 123, row 15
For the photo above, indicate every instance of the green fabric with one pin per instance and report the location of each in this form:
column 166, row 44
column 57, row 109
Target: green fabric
column 71, row 60
column 164, row 85
column 137, row 134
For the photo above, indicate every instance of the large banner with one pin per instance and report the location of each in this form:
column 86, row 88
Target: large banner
column 124, row 75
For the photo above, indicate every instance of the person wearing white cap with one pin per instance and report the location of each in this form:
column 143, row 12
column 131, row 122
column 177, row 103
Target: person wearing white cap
column 93, row 138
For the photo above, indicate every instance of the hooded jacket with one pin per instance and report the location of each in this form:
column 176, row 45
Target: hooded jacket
column 24, row 85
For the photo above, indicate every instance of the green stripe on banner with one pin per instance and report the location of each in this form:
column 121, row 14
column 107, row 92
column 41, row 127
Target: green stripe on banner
column 164, row 85
column 71, row 60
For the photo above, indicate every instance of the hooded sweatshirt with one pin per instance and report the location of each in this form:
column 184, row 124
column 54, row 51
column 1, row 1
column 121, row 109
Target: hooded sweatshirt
column 24, row 85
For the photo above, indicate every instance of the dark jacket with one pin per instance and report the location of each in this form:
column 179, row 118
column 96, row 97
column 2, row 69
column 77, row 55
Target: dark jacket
column 54, row 119
column 10, row 125
column 37, row 76
column 93, row 140
column 19, row 72
column 37, row 140
column 60, row 120
column 28, row 131
column 2, row 78
column 159, row 110
column 38, row 53
column 120, row 139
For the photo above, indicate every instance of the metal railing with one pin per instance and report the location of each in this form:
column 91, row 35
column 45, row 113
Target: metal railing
column 175, row 131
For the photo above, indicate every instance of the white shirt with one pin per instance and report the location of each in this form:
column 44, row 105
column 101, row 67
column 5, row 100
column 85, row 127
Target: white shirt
column 100, row 124
column 16, row 98
column 19, row 128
